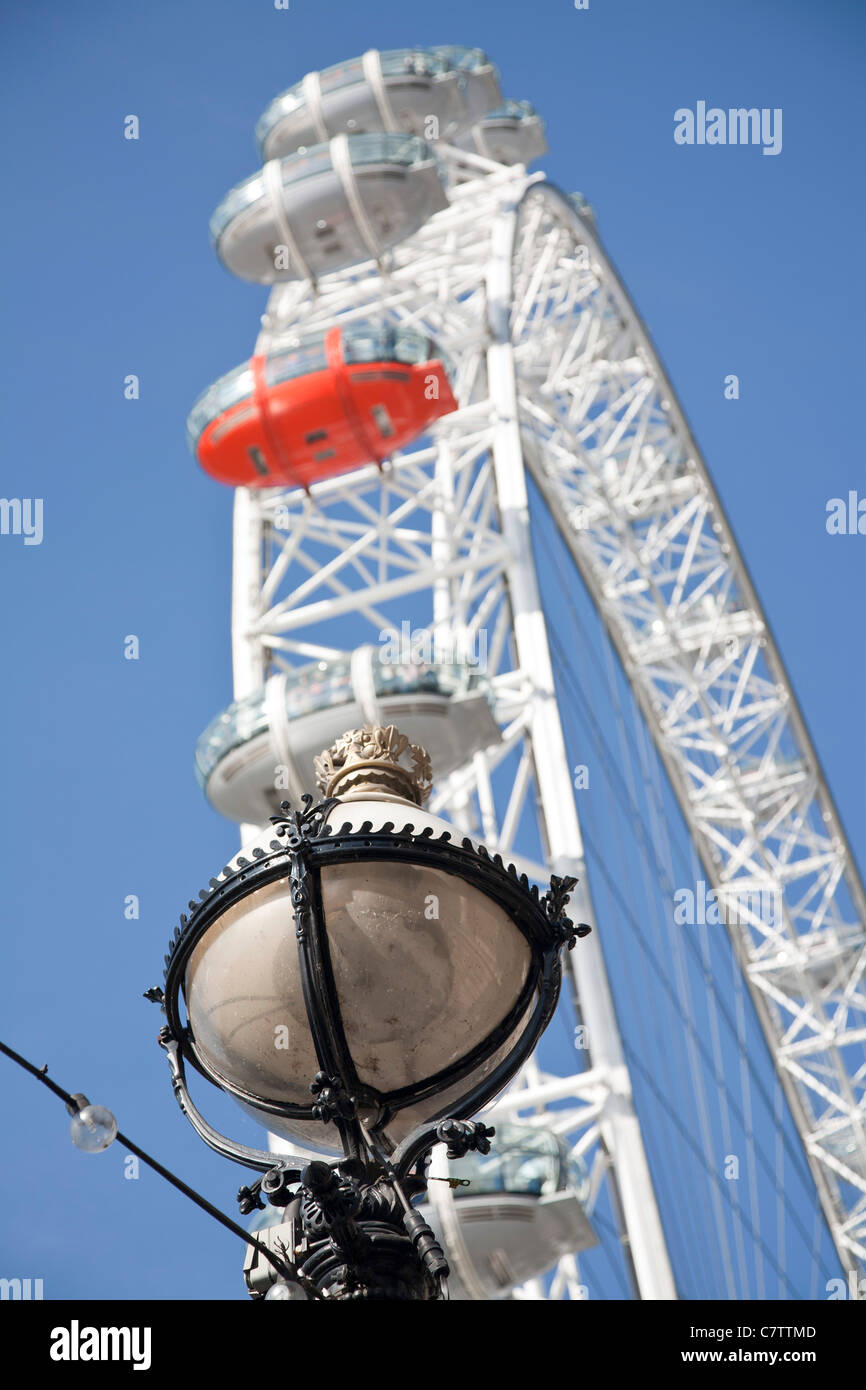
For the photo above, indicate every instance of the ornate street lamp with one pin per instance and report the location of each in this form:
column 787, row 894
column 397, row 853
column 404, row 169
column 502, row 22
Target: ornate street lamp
column 362, row 982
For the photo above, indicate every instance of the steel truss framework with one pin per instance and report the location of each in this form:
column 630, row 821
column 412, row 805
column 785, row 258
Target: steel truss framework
column 555, row 372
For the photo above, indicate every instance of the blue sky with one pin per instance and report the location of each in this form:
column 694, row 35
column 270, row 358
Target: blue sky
column 739, row 263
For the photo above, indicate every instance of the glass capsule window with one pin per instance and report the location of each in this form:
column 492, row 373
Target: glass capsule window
column 308, row 356
column 381, row 147
column 293, row 169
column 370, row 343
column 242, row 721
column 309, row 688
column 283, row 105
column 241, row 197
column 405, row 678
column 513, row 110
column 229, row 390
column 341, row 75
column 363, row 342
column 464, row 59
column 387, row 343
column 297, row 167
column 330, row 80
column 395, row 62
column 322, row 685
column 576, row 1176
column 421, row 61
column 523, row 1161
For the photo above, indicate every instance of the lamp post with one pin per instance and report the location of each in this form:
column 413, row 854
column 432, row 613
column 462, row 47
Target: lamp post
column 362, row 983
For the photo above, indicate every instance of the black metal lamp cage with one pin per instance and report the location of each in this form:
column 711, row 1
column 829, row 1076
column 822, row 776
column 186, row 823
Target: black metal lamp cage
column 385, row 1132
column 307, row 843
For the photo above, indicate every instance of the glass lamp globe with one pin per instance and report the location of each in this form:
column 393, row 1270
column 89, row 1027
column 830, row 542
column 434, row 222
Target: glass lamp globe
column 93, row 1129
column 286, row 1292
column 424, row 964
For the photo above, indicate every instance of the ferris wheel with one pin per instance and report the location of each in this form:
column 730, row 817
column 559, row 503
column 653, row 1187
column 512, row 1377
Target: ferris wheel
column 447, row 353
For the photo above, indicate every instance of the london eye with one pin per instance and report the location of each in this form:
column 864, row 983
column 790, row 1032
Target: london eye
column 445, row 535
column 463, row 477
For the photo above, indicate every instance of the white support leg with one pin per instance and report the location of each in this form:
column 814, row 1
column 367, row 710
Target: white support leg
column 619, row 1125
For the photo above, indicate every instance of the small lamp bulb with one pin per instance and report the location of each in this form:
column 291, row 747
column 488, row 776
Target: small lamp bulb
column 93, row 1128
column 286, row 1291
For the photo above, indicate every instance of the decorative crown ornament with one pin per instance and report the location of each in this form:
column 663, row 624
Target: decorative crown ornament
column 368, row 761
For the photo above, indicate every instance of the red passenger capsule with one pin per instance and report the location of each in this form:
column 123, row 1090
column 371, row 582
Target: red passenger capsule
column 335, row 402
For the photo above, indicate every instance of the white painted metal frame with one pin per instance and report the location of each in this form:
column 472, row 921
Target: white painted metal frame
column 613, row 455
column 557, row 361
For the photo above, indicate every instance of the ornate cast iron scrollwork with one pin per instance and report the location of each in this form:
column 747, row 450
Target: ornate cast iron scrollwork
column 307, row 823
column 553, row 905
column 332, row 1101
column 464, row 1136
column 354, row 1233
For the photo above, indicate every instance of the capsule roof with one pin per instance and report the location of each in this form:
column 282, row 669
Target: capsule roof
column 400, row 88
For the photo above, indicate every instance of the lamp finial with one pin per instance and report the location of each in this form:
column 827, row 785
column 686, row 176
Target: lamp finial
column 368, row 761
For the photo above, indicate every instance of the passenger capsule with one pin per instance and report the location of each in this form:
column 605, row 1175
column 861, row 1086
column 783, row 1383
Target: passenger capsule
column 333, row 402
column 433, row 92
column 512, row 134
column 522, row 1208
column 444, row 706
column 339, row 203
